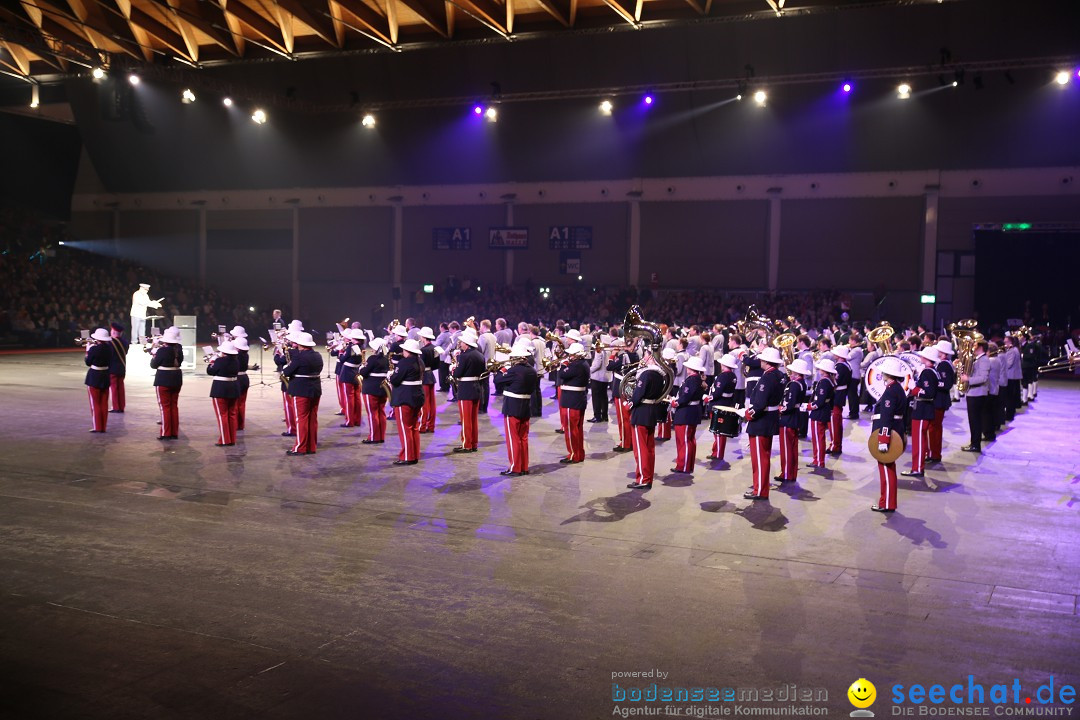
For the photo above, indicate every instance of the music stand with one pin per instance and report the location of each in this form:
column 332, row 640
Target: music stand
column 153, row 322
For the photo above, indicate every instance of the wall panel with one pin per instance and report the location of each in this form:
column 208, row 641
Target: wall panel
column 421, row 264
column 249, row 255
column 605, row 264
column 346, row 244
column 166, row 240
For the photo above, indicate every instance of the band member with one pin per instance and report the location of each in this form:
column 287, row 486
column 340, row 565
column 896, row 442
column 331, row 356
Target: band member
column 763, row 420
column 663, row 409
column 1029, row 363
column 243, row 382
column 889, row 416
column 350, row 356
column 305, row 389
column 224, row 392
column 168, row 379
column 922, row 412
column 429, row 357
column 1014, row 372
column 574, row 381
column 373, row 375
column 722, row 395
column 989, row 427
column 97, row 378
column 445, row 342
column 338, row 353
column 648, row 392
column 942, row 398
column 117, row 366
column 517, row 384
column 470, row 365
column 977, row 396
column 617, row 361
column 855, row 358
column 843, row 384
column 821, row 410
column 708, row 359
column 485, row 343
column 687, row 415
column 408, row 400
column 599, row 381
column 790, row 416
column 140, row 300
column 282, row 357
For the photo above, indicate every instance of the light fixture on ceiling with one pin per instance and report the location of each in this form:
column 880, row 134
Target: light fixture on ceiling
column 606, row 107
column 904, row 91
column 259, row 116
column 188, row 96
column 368, row 120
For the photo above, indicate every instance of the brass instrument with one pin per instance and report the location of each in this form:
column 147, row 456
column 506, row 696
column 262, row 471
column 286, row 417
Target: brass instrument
column 598, row 346
column 754, row 323
column 965, row 337
column 1064, row 362
column 471, row 322
column 557, row 347
column 153, row 346
column 785, row 343
column 85, row 341
column 635, row 326
column 882, row 337
column 550, row 364
column 341, row 326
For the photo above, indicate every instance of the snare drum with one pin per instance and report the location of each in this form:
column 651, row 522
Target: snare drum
column 724, row 422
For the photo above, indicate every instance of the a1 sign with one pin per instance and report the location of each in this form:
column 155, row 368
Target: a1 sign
column 570, row 237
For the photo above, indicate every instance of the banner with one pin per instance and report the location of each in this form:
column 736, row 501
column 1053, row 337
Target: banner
column 508, row 238
column 570, row 237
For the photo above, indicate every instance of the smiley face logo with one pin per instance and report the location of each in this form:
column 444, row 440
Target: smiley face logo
column 862, row 693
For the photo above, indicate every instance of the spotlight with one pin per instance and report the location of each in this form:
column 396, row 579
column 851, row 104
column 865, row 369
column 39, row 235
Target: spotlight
column 368, row 121
column 98, row 74
column 760, row 97
column 227, row 102
column 1078, row 73
column 35, row 99
column 605, row 107
column 648, row 99
column 133, row 79
column 477, row 110
column 491, row 114
column 60, row 243
column 187, row 97
column 1062, row 78
column 258, row 116
column 739, row 96
column 904, row 91
column 251, row 308
column 579, row 277
column 846, row 87
column 954, row 83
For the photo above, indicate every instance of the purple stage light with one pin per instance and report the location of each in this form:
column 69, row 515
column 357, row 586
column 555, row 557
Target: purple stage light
column 847, row 87
column 648, row 99
column 477, row 110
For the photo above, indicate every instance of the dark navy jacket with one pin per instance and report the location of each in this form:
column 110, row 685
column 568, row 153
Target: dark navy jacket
column 821, row 404
column 430, row 361
column 118, row 356
column 375, row 370
column 519, row 380
column 645, row 402
column 97, row 356
column 946, row 379
column 794, row 397
column 349, row 361
column 843, row 381
column 924, row 395
column 167, row 360
column 224, row 370
column 470, row 364
column 241, row 374
column 723, row 389
column 574, row 375
column 765, row 400
column 688, row 411
column 303, row 373
column 407, row 382
column 889, row 411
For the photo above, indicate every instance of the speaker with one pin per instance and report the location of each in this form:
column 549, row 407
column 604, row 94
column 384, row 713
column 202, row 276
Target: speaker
column 186, row 325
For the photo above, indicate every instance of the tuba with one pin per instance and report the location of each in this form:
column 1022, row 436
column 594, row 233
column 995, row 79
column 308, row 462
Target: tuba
column 785, row 343
column 965, row 337
column 634, row 327
column 882, row 337
column 754, row 323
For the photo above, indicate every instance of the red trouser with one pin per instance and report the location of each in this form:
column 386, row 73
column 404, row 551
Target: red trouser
column 934, row 435
column 99, row 406
column 920, row 441
column 517, row 443
column 663, row 430
column 760, row 454
column 408, row 431
column 241, row 410
column 573, row 422
column 376, row 417
column 353, row 413
column 644, row 453
column 719, row 446
column 116, row 389
column 339, row 387
column 789, row 453
column 225, row 410
column 817, row 437
column 470, row 413
column 307, row 423
column 685, row 447
column 887, row 476
column 836, row 429
column 290, row 413
column 626, row 432
column 169, row 408
column 427, row 415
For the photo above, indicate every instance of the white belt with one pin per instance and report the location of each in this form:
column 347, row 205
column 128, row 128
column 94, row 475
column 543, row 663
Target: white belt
column 752, row 379
column 168, row 368
column 242, row 372
column 772, row 408
column 519, row 396
column 471, row 378
column 225, row 379
column 352, row 365
column 575, row 388
column 98, row 367
column 726, row 394
column 376, row 374
column 840, row 387
column 411, row 382
column 695, row 402
column 650, row 402
column 724, row 408
column 307, row 376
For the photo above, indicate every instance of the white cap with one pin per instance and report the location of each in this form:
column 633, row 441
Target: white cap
column 241, row 343
column 728, row 360
column 468, row 337
column 301, row 338
column 694, row 363
column 575, row 349
column 929, row 354
column 376, row 344
column 945, row 346
column 144, row 286
column 893, row 366
column 842, row 351
column 238, row 332
column 520, row 350
column 826, row 365
column 411, row 345
column 771, row 355
column 101, row 335
column 573, row 334
column 668, row 353
column 227, row 348
column 400, row 331
column 171, row 335
column 799, row 366
column 296, row 326
column 426, row 332
column 355, row 334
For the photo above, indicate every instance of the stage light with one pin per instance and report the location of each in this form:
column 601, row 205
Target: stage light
column 739, row 96
column 904, row 91
column 760, row 97
column 1078, row 73
column 491, row 114
column 648, row 100
column 187, row 97
column 477, row 288
column 35, row 99
column 954, row 83
column 98, row 74
column 227, row 102
column 61, row 242
column 846, row 87
column 1062, row 78
column 133, row 79
column 605, row 107
column 368, row 121
column 579, row 277
column 477, row 110
column 258, row 116
column 251, row 308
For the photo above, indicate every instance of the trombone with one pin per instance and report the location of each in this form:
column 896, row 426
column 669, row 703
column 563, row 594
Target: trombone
column 1068, row 362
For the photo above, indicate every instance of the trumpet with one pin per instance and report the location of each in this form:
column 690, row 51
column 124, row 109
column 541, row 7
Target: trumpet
column 85, row 341
column 598, row 346
column 153, row 346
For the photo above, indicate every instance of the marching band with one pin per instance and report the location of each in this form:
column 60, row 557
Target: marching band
column 768, row 382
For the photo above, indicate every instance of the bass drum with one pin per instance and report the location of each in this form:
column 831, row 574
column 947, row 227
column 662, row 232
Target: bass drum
column 875, row 380
column 724, row 422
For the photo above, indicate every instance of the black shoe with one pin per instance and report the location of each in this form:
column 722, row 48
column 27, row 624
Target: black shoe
column 163, row 437
column 749, row 495
column 621, row 449
column 116, row 411
column 781, row 479
column 912, row 473
column 875, row 508
column 592, row 420
column 570, row 461
column 933, row 460
column 852, row 417
column 290, row 452
column 464, row 450
column 972, row 449
column 560, row 431
column 288, row 434
column 371, row 442
column 510, row 473
column 834, row 453
column 406, row 462
column 640, row 486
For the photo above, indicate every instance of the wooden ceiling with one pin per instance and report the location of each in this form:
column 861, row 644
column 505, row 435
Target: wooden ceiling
column 46, row 37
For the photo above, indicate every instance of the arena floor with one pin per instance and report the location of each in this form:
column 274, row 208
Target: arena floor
column 181, row 580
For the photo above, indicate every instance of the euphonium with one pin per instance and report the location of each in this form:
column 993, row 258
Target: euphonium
column 965, row 337
column 882, row 337
column 785, row 343
column 635, row 326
